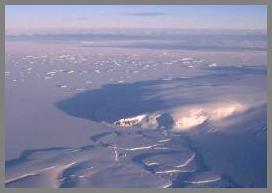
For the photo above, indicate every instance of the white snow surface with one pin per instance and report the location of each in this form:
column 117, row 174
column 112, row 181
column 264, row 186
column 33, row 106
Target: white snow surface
column 114, row 116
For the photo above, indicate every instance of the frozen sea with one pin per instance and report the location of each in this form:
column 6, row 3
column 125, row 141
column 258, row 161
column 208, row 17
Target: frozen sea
column 123, row 109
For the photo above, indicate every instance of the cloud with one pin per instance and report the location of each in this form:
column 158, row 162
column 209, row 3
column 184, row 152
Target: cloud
column 148, row 14
column 80, row 18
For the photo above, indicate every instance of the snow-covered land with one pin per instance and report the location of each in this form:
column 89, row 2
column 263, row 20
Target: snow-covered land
column 145, row 112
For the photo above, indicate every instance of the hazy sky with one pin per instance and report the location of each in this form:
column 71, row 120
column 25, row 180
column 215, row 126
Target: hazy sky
column 136, row 16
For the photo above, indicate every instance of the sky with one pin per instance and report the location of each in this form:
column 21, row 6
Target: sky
column 35, row 17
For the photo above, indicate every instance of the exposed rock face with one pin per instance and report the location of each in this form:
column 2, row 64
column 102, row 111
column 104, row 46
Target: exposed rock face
column 129, row 122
